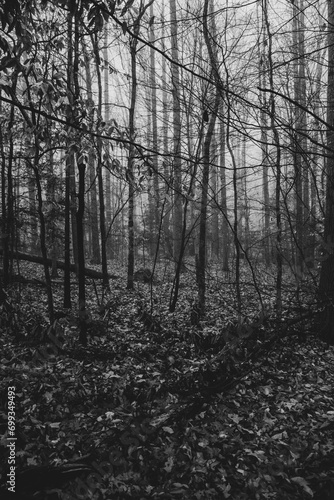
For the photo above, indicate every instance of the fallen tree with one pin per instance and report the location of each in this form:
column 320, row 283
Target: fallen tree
column 90, row 273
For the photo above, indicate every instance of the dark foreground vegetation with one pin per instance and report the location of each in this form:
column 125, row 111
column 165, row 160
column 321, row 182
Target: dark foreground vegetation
column 156, row 407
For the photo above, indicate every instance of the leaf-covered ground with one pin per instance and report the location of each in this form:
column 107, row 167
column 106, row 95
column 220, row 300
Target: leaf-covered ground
column 162, row 409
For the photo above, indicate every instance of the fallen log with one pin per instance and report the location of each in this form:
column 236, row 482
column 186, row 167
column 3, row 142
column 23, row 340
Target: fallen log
column 90, row 273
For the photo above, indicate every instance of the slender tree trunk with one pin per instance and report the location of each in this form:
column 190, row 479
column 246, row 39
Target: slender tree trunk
column 67, row 237
column 153, row 85
column 177, row 175
column 34, row 150
column 303, row 141
column 81, row 250
column 215, row 214
column 272, row 112
column 202, row 241
column 81, row 165
column 245, row 195
column 94, row 220
column 132, row 151
column 264, row 151
column 43, row 238
column 99, row 169
column 236, row 223
column 130, row 166
column 192, row 163
column 298, row 142
column 73, row 208
column 108, row 189
column 150, row 232
column 52, row 223
column 8, row 196
column 166, row 168
column 69, row 164
column 201, row 259
column 316, row 159
column 223, row 200
column 33, row 216
column 32, row 210
column 326, row 284
column 5, row 259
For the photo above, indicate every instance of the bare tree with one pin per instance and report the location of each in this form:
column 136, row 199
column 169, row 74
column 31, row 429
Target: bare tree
column 209, row 35
column 132, row 148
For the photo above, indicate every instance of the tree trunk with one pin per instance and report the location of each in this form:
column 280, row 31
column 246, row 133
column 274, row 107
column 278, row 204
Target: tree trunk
column 215, row 214
column 32, row 207
column 153, row 85
column 81, row 251
column 52, row 224
column 223, row 200
column 108, row 191
column 277, row 166
column 94, row 220
column 130, row 166
column 81, row 165
column 201, row 260
column 43, row 238
column 7, row 202
column 236, row 223
column 90, row 273
column 4, row 208
column 177, row 165
column 166, row 167
column 264, row 151
column 245, row 195
column 99, row 168
column 298, row 142
column 33, row 164
column 316, row 159
column 67, row 236
column 73, row 207
column 303, row 141
column 326, row 284
column 69, row 164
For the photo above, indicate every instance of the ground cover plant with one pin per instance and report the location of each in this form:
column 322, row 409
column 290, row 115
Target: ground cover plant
column 156, row 406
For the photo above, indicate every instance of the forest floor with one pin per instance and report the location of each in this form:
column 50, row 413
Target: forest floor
column 161, row 409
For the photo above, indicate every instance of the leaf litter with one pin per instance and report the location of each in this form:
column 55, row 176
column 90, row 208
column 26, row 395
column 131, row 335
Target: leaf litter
column 174, row 412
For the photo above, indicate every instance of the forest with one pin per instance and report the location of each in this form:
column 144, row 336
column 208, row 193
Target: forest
column 167, row 255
